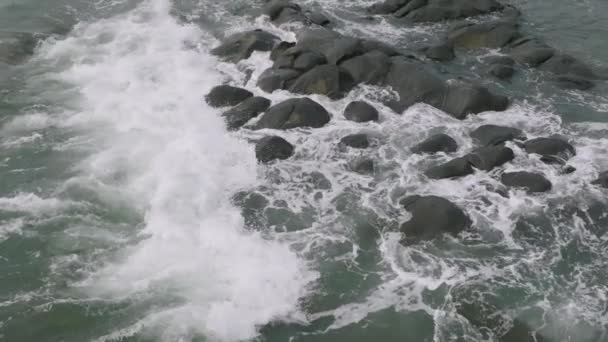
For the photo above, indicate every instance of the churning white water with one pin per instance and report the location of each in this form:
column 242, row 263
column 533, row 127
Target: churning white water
column 140, row 78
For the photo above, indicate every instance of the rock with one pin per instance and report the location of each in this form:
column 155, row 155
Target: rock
column 488, row 135
column 436, row 143
column 370, row 45
column 332, row 45
column 548, row 147
column 387, row 6
column 488, row 157
column 442, row 52
column 16, row 47
column 226, row 95
column 274, row 79
column 533, row 182
column 413, row 82
column 503, row 72
column 245, row 111
column 360, row 111
column 461, row 98
column 317, row 180
column 329, row 80
column 294, row 58
column 279, row 49
column 521, row 332
column 293, row 113
column 602, row 180
column 441, row 10
column 318, row 17
column 273, row 8
column 241, row 45
column 252, row 205
column 573, row 82
column 458, row 167
column 411, row 6
column 364, row 167
column 563, row 64
column 370, row 68
column 432, row 216
column 531, row 51
column 485, row 35
column 308, row 60
column 355, row 141
column 273, row 148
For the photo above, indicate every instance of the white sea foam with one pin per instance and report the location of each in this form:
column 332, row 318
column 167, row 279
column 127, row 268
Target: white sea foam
column 140, row 85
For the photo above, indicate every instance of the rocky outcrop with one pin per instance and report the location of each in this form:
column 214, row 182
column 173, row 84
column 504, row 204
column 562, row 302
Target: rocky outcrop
column 434, row 10
column 245, row 111
column 488, row 135
column 294, row 113
column 436, row 143
column 273, row 148
column 532, row 182
column 226, row 95
column 550, row 148
column 360, row 111
column 432, row 216
column 329, row 80
column 240, row 46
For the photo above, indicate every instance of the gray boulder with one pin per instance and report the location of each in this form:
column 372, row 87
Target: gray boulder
column 274, row 79
column 485, row 35
column 436, row 143
column 488, row 135
column 442, row 52
column 226, row 95
column 488, row 157
column 360, row 111
column 531, row 51
column 550, row 147
column 532, row 182
column 370, row 68
column 294, row 113
column 241, row 45
column 329, row 80
column 460, row 98
column 245, row 111
column 602, row 180
column 355, row 141
column 432, row 216
column 454, row 168
column 364, row 166
column 273, row 148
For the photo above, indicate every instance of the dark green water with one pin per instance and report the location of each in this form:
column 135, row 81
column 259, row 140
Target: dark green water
column 116, row 182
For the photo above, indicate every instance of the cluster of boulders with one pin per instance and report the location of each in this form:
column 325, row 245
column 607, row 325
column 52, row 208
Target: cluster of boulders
column 324, row 62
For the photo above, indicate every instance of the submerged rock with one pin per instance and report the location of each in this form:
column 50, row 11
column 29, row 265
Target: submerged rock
column 272, row 148
column 431, row 217
column 461, row 98
column 573, row 82
column 442, row 52
column 363, row 166
column 16, row 47
column 241, row 45
column 226, row 95
column 532, row 182
column 293, row 113
column 531, row 51
column 454, row 168
column 488, row 135
column 355, row 141
column 245, row 111
column 436, row 143
column 360, row 111
column 436, row 10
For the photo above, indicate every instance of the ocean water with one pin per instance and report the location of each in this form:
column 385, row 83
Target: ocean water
column 119, row 187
